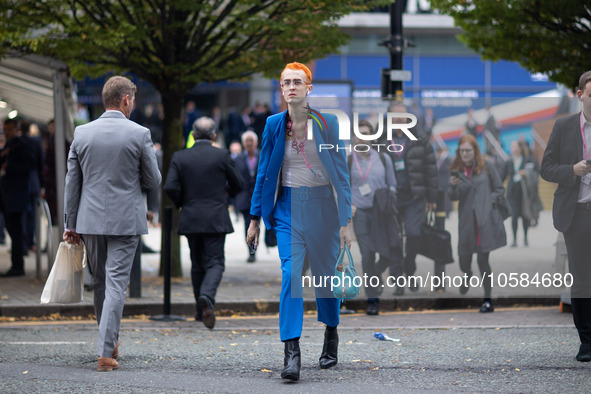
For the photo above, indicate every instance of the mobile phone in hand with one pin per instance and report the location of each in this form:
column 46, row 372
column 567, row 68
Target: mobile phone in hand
column 459, row 175
column 252, row 247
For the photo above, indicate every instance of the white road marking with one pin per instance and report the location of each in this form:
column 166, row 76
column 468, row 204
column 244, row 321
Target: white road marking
column 41, row 343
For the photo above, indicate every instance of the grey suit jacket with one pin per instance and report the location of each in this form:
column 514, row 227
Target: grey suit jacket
column 110, row 160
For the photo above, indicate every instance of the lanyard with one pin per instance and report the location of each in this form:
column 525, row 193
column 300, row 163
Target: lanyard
column 468, row 171
column 315, row 172
column 363, row 178
column 583, row 136
column 399, row 154
column 251, row 164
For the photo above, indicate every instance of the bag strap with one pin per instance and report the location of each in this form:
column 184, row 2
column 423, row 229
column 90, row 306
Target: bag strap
column 382, row 159
column 342, row 257
column 431, row 218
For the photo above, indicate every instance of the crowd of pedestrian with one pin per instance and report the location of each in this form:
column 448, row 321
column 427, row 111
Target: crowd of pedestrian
column 311, row 200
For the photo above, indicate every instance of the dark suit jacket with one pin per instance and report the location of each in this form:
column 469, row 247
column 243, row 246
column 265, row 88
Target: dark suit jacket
column 37, row 164
column 197, row 182
column 565, row 148
column 242, row 199
column 15, row 182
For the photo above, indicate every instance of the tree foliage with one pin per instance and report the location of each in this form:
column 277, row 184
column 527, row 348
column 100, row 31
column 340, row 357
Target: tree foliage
column 175, row 44
column 548, row 36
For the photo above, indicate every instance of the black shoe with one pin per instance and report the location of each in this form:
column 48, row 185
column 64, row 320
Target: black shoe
column 584, row 354
column 251, row 258
column 329, row 358
column 487, row 307
column 292, row 361
column 525, row 242
column 207, row 311
column 13, row 272
column 372, row 308
column 399, row 291
column 414, row 287
column 514, row 244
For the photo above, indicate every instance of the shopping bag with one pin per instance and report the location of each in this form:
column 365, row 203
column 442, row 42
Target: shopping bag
column 346, row 284
column 65, row 284
column 435, row 243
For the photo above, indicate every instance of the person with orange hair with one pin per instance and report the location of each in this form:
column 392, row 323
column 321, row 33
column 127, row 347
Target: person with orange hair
column 478, row 187
column 294, row 194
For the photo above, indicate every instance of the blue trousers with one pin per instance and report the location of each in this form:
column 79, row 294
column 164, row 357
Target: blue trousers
column 307, row 225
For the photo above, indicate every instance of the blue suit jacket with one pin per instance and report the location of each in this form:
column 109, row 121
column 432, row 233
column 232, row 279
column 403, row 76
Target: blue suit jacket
column 271, row 160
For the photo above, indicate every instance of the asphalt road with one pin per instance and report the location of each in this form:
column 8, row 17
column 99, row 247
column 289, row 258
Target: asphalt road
column 511, row 350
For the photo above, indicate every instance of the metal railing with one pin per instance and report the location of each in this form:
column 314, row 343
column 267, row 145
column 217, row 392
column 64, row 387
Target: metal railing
column 490, row 139
column 43, row 236
column 539, row 139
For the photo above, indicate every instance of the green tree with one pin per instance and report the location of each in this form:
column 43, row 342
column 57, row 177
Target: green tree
column 176, row 44
column 546, row 36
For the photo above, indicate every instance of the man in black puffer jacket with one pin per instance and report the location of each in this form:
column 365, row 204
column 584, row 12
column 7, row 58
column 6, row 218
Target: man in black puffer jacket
column 415, row 167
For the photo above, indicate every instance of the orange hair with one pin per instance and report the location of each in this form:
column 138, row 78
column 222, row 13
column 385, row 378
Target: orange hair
column 298, row 66
column 458, row 165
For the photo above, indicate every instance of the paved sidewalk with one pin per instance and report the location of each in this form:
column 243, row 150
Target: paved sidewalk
column 254, row 288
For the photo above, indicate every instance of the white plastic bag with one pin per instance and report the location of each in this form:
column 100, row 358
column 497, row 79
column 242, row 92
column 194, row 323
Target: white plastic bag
column 65, row 284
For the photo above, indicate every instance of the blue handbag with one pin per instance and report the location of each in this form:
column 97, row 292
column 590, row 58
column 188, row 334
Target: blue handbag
column 346, row 284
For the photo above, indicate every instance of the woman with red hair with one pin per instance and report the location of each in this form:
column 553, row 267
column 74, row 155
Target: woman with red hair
column 478, row 187
column 295, row 195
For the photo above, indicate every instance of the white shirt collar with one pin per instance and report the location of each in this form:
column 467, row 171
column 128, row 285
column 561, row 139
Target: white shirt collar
column 583, row 118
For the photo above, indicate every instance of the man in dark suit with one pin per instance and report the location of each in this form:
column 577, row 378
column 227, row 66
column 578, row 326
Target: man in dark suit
column 15, row 161
column 566, row 162
column 197, row 182
column 35, row 183
column 247, row 164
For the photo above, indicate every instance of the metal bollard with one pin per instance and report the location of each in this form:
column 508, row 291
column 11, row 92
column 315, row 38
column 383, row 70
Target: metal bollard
column 167, row 262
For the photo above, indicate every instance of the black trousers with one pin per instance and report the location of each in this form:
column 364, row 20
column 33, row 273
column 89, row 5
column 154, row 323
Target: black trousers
column 440, row 216
column 29, row 223
column 412, row 213
column 578, row 247
column 516, row 212
column 207, row 263
column 362, row 225
column 14, row 225
column 483, row 266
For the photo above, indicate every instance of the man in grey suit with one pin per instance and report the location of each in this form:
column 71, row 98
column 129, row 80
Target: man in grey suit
column 111, row 159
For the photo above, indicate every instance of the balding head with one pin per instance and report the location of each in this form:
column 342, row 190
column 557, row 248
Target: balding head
column 204, row 129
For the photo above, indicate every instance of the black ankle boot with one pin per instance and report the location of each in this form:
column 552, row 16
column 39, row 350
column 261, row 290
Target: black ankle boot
column 292, row 361
column 328, row 358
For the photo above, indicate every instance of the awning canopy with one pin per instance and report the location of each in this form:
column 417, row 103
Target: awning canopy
column 27, row 84
column 40, row 89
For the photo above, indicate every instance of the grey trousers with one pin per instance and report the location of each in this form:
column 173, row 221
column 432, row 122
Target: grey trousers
column 110, row 258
